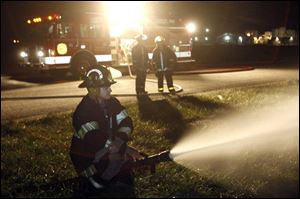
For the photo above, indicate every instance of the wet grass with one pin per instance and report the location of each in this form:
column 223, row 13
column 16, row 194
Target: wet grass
column 35, row 158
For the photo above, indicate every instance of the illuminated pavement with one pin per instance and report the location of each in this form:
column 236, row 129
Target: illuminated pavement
column 125, row 90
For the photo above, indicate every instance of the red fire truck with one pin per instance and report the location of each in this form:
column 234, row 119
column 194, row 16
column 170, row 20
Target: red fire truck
column 75, row 41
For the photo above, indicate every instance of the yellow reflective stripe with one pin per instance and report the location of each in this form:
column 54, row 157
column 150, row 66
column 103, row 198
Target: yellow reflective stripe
column 171, row 88
column 125, row 129
column 89, row 126
column 121, row 116
column 160, row 89
column 88, row 172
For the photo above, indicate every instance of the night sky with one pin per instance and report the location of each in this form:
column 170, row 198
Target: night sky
column 226, row 16
column 244, row 15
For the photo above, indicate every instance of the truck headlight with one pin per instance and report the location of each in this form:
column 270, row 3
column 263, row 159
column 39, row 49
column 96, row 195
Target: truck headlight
column 40, row 53
column 51, row 52
column 23, row 54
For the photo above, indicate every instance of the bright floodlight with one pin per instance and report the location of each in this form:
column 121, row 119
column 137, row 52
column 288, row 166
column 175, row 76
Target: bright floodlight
column 23, row 54
column 191, row 27
column 227, row 38
column 40, row 53
column 240, row 39
column 124, row 15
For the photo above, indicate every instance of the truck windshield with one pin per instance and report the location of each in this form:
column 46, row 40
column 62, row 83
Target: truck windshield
column 90, row 31
column 64, row 30
column 38, row 33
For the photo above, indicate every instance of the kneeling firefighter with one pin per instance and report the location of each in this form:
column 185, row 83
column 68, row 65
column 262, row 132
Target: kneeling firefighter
column 102, row 129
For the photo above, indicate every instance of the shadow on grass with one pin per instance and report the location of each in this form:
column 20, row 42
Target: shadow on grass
column 206, row 108
column 203, row 103
column 162, row 112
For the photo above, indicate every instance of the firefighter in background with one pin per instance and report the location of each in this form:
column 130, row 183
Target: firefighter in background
column 164, row 60
column 140, row 61
column 102, row 129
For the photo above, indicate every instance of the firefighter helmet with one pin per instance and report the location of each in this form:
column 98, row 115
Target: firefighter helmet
column 159, row 39
column 98, row 76
column 141, row 37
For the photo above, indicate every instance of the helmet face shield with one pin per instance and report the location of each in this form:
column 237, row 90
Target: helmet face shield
column 109, row 77
column 97, row 77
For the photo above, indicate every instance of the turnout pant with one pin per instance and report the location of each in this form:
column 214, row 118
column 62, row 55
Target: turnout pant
column 140, row 81
column 169, row 79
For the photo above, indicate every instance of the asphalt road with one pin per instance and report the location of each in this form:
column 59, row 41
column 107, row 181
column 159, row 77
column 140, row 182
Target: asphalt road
column 13, row 107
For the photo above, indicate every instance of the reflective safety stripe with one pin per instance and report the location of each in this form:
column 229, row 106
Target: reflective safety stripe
column 88, row 172
column 161, row 61
column 108, row 143
column 160, row 89
column 183, row 54
column 89, row 126
column 66, row 59
column 95, row 184
column 171, row 88
column 121, row 116
column 164, row 69
column 178, row 54
column 125, row 129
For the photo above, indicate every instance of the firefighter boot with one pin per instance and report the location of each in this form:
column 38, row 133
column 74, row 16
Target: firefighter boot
column 172, row 90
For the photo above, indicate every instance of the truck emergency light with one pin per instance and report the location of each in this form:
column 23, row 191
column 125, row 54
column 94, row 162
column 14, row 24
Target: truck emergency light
column 40, row 19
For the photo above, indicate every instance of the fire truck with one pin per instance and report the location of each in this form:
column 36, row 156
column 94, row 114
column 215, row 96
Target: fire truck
column 76, row 41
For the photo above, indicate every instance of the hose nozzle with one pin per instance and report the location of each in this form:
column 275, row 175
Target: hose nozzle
column 161, row 157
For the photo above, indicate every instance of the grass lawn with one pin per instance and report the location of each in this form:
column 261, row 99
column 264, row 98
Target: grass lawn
column 35, row 154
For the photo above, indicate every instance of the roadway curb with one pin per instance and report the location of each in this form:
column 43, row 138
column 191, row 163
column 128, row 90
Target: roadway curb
column 214, row 70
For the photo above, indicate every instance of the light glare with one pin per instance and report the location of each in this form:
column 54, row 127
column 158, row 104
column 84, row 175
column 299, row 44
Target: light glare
column 23, row 54
column 40, row 53
column 191, row 27
column 124, row 15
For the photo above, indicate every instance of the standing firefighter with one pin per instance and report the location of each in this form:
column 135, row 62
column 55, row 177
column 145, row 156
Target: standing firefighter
column 102, row 127
column 164, row 60
column 140, row 63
